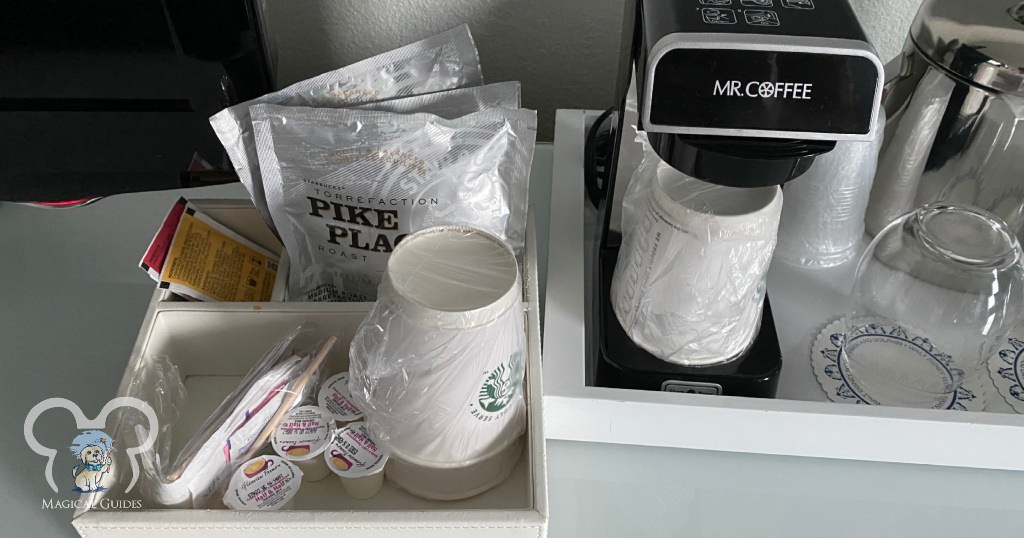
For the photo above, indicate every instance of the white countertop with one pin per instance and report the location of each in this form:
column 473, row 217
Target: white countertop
column 72, row 298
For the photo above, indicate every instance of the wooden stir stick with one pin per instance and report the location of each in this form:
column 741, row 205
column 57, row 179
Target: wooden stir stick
column 289, row 399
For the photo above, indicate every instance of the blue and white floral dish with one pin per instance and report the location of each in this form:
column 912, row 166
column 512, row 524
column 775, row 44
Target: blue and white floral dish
column 1006, row 368
column 835, row 381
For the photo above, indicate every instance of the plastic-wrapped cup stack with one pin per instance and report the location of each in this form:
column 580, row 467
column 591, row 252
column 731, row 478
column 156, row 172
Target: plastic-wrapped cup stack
column 689, row 283
column 302, row 437
column 823, row 220
column 263, row 483
column 438, row 364
column 358, row 460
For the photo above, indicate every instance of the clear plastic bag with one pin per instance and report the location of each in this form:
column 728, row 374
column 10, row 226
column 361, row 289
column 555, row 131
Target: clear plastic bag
column 442, row 62
column 438, row 364
column 346, row 186
column 283, row 379
column 689, row 283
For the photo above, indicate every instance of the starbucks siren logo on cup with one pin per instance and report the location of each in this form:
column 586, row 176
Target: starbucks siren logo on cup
column 499, row 388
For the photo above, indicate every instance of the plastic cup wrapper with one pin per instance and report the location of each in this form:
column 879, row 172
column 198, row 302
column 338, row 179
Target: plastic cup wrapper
column 438, row 363
column 263, row 483
column 335, row 398
column 689, row 283
column 302, row 437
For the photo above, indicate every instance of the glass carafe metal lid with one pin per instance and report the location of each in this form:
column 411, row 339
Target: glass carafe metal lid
column 978, row 40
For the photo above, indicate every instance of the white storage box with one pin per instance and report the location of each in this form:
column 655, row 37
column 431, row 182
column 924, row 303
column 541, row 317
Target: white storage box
column 215, row 344
column 800, row 422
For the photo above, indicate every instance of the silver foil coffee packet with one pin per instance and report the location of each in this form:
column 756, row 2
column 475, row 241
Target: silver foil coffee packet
column 445, row 61
column 345, row 186
column 450, row 104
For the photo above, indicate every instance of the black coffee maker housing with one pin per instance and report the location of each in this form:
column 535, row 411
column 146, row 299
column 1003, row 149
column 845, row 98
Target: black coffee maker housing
column 742, row 93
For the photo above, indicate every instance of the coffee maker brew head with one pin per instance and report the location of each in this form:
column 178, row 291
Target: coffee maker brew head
column 746, row 92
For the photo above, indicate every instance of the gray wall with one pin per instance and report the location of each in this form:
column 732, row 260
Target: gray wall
column 565, row 52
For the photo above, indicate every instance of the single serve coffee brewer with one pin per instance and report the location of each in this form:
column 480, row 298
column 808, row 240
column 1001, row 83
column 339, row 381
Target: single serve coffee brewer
column 737, row 95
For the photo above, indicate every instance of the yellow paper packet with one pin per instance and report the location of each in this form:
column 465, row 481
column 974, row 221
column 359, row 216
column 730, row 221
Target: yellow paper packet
column 209, row 262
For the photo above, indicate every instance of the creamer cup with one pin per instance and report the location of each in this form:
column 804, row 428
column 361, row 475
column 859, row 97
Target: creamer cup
column 356, row 457
column 302, row 437
column 336, row 398
column 263, row 483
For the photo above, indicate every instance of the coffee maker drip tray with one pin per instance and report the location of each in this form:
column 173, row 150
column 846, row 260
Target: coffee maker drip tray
column 622, row 364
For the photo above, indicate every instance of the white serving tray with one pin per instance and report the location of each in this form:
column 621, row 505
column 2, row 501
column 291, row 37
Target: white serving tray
column 214, row 345
column 800, row 422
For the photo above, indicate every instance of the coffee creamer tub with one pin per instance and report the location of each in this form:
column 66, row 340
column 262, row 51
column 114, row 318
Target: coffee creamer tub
column 302, row 437
column 263, row 483
column 358, row 460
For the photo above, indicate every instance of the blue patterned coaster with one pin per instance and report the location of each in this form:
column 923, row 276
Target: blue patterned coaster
column 836, row 382
column 1006, row 368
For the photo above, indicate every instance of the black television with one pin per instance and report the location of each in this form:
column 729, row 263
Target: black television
column 100, row 97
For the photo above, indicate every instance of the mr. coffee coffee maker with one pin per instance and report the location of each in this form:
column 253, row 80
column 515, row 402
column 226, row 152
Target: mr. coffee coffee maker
column 741, row 93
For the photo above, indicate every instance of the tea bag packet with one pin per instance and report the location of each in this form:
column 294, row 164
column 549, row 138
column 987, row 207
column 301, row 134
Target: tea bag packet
column 345, row 186
column 445, row 61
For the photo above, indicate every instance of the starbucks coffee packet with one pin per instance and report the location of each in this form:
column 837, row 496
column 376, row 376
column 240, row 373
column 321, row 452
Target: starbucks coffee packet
column 452, row 103
column 345, row 186
column 445, row 61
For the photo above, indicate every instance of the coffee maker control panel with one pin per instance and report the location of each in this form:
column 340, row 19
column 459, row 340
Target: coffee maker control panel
column 783, row 69
column 814, row 18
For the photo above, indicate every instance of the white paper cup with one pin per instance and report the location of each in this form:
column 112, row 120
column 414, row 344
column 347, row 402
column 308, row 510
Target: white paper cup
column 454, row 482
column 335, row 397
column 689, row 283
column 358, row 460
column 443, row 362
column 302, row 437
column 263, row 483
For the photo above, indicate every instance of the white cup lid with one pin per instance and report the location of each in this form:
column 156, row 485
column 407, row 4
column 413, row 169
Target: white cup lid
column 452, row 277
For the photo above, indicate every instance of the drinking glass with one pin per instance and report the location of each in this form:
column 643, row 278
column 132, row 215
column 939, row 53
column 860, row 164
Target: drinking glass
column 935, row 291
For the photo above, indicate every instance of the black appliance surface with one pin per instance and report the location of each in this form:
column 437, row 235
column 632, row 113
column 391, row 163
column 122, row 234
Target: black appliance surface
column 622, row 364
column 101, row 97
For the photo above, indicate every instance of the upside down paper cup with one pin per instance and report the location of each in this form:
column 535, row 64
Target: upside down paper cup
column 689, row 283
column 439, row 362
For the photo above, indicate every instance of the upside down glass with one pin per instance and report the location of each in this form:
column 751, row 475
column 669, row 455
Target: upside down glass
column 935, row 291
